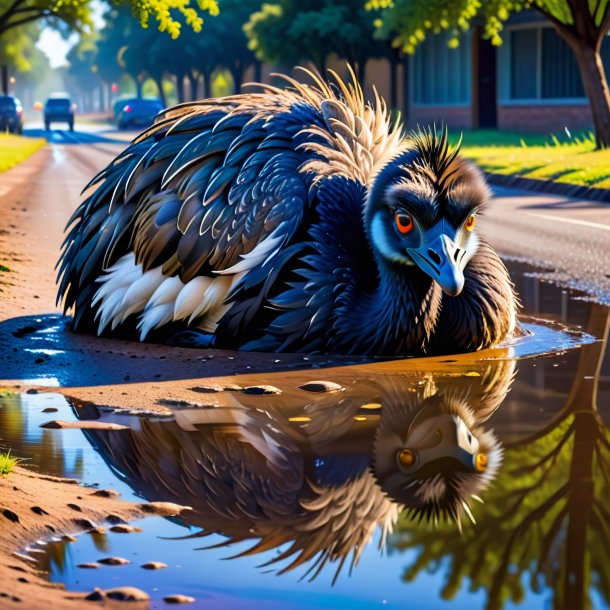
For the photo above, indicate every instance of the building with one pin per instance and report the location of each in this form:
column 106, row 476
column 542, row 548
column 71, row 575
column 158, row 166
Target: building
column 530, row 83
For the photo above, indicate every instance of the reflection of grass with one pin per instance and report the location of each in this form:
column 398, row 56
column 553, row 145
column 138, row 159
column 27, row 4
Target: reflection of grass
column 8, row 462
column 6, row 393
column 15, row 149
column 569, row 158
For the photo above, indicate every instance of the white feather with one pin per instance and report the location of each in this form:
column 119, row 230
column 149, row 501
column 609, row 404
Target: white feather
column 139, row 293
column 154, row 317
column 167, row 292
column 190, row 297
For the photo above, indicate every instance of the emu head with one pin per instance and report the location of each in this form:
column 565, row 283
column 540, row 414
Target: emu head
column 421, row 210
column 434, row 457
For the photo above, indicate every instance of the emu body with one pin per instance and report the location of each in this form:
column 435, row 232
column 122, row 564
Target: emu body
column 287, row 220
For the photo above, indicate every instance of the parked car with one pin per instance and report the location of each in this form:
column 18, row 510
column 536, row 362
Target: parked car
column 11, row 114
column 137, row 112
column 59, row 109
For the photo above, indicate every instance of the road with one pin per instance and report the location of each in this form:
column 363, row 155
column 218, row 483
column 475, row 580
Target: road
column 568, row 237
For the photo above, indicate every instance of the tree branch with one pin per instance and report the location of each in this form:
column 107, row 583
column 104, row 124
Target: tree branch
column 14, row 24
column 9, row 11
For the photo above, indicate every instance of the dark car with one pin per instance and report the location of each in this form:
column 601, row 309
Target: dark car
column 58, row 110
column 11, row 114
column 137, row 112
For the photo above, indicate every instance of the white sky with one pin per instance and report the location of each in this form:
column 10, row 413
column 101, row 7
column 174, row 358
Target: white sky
column 55, row 47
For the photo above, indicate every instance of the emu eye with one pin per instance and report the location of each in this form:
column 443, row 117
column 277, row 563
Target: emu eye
column 404, row 222
column 407, row 458
column 480, row 462
column 470, row 222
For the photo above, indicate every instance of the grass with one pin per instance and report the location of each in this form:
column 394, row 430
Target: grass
column 15, row 149
column 8, row 462
column 6, row 393
column 567, row 157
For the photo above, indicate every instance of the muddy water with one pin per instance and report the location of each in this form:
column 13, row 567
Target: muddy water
column 364, row 487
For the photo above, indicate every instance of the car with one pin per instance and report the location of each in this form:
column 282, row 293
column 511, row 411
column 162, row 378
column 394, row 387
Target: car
column 137, row 112
column 58, row 109
column 11, row 114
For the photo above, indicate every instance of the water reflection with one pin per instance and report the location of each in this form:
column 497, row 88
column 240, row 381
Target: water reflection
column 545, row 523
column 303, row 476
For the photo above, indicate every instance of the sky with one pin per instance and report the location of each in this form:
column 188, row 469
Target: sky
column 55, row 47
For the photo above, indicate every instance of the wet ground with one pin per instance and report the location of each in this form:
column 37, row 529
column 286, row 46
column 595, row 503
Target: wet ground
column 366, row 487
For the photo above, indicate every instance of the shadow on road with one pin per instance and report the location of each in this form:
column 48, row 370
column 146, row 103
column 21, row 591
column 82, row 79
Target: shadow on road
column 61, row 136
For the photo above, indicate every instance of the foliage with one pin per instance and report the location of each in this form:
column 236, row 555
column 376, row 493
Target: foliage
column 15, row 149
column 8, row 462
column 408, row 21
column 290, row 32
column 570, row 159
column 70, row 15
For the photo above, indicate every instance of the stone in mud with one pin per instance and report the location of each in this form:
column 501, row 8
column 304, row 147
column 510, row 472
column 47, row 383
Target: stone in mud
column 208, row 389
column 127, row 594
column 114, row 561
column 124, row 529
column 115, row 519
column 261, row 390
column 49, row 410
column 165, row 509
column 97, row 530
column 89, row 566
column 106, row 493
column 38, row 510
column 154, row 565
column 68, row 538
column 10, row 515
column 85, row 524
column 178, row 599
column 121, row 594
column 75, row 507
column 56, row 424
column 321, row 386
column 233, row 387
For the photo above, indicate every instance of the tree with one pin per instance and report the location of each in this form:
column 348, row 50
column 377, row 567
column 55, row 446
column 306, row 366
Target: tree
column 581, row 23
column 290, row 32
column 75, row 15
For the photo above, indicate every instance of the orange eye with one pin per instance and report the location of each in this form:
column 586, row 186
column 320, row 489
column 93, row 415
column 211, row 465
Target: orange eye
column 480, row 462
column 407, row 457
column 404, row 222
column 470, row 222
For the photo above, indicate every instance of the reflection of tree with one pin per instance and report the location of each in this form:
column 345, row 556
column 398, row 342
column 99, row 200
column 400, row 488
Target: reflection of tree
column 547, row 518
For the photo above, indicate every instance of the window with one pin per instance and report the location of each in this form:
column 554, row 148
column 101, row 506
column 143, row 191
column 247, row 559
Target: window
column 541, row 66
column 523, row 64
column 442, row 75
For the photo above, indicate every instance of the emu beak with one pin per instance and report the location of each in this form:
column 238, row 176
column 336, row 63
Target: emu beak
column 441, row 258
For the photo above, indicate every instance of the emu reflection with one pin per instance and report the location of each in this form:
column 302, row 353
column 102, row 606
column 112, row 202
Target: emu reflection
column 318, row 479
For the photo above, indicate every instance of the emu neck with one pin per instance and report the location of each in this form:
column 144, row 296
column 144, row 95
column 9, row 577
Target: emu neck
column 393, row 317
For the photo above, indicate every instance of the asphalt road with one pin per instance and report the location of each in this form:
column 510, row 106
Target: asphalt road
column 569, row 238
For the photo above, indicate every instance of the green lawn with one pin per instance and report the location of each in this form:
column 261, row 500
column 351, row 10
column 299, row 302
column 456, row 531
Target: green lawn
column 567, row 158
column 15, row 149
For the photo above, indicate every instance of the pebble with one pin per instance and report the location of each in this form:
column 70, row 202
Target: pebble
column 165, row 509
column 49, row 410
column 56, row 424
column 123, row 594
column 178, row 599
column 97, row 530
column 208, row 389
column 89, row 566
column 154, row 565
column 105, row 493
column 233, row 387
column 321, row 386
column 114, row 561
column 260, row 390
column 68, row 538
column 125, row 529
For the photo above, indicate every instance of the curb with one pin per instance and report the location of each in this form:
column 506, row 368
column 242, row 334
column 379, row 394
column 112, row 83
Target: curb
column 574, row 191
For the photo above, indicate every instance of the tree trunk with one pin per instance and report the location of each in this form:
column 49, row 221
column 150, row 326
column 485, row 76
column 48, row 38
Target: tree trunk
column 596, row 87
column 138, row 82
column 180, row 88
column 207, row 84
column 258, row 71
column 159, row 83
column 237, row 72
column 194, row 83
column 4, row 79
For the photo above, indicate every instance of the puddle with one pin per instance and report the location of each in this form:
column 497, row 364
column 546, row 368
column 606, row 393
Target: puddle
column 304, row 489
